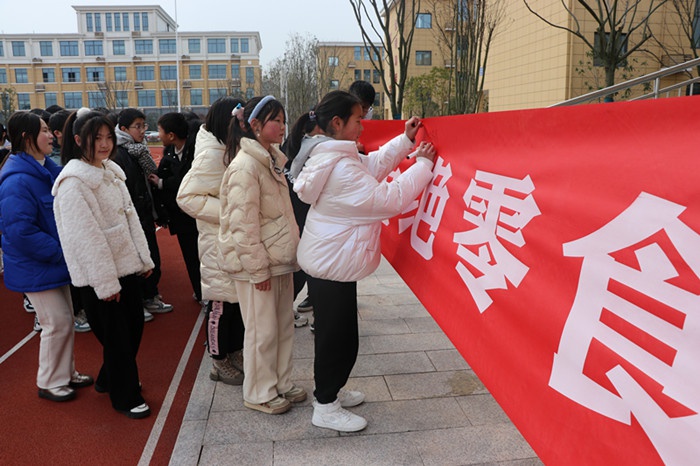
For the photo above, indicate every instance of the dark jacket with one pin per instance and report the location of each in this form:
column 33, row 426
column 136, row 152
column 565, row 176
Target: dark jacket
column 172, row 170
column 32, row 252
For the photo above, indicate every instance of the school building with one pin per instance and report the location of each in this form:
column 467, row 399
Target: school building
column 129, row 56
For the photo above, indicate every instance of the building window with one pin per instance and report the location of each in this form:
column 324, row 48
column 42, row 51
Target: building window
column 144, row 21
column 250, row 75
column 375, row 77
column 3, row 76
column 125, row 22
column 358, row 53
column 245, row 48
column 424, row 57
column 95, row 74
column 168, row 97
column 88, row 21
column 366, row 53
column 235, row 71
column 21, row 76
column 249, row 93
column 195, row 97
column 215, row 94
column 120, row 73
column 332, row 61
column 367, row 75
column 118, row 47
column 358, row 75
column 143, row 47
column 167, row 46
column 50, row 98
column 195, row 71
column 117, row 22
column 71, row 75
column 216, row 46
column 2, row 49
column 137, row 21
column 48, row 75
column 168, row 72
column 217, row 71
column 93, row 47
column 146, row 98
column 234, row 46
column 72, row 99
column 145, row 73
column 46, row 48
column 424, row 21
column 108, row 21
column 334, row 85
column 122, row 98
column 96, row 99
column 69, row 48
column 18, row 48
column 98, row 22
column 194, row 45
column 23, row 101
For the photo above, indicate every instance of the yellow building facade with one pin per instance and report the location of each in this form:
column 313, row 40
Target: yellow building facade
column 129, row 56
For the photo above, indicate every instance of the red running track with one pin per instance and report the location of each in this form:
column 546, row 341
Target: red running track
column 87, row 430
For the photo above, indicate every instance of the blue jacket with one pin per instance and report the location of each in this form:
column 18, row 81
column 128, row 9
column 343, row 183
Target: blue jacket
column 31, row 249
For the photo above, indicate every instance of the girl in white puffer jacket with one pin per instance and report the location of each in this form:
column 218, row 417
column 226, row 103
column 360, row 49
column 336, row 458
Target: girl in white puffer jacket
column 340, row 245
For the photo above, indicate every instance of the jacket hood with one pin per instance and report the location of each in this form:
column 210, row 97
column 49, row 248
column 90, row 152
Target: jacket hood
column 207, row 141
column 320, row 164
column 307, row 145
column 90, row 175
column 23, row 163
column 273, row 159
column 123, row 137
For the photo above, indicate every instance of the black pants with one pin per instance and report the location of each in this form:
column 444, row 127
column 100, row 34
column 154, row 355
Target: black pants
column 118, row 325
column 225, row 328
column 336, row 338
column 75, row 298
column 187, row 236
column 150, row 284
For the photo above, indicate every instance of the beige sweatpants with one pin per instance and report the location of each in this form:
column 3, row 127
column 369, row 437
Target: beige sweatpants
column 269, row 336
column 55, row 312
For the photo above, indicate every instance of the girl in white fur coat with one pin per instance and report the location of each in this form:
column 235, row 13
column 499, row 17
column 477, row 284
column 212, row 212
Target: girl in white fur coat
column 106, row 253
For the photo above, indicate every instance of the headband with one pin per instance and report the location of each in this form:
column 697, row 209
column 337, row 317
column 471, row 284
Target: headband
column 312, row 115
column 259, row 107
column 238, row 112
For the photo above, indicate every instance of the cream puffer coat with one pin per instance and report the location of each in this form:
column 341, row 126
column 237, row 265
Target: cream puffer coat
column 198, row 197
column 349, row 198
column 258, row 235
column 99, row 229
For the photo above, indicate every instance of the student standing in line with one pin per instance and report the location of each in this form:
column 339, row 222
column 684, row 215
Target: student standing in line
column 173, row 130
column 198, row 197
column 349, row 198
column 33, row 256
column 258, row 240
column 106, row 252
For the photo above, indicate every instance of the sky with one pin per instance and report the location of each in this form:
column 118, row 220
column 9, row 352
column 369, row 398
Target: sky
column 275, row 20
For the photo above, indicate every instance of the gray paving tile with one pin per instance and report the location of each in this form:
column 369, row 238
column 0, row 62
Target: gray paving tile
column 447, row 360
column 189, row 443
column 240, row 454
column 201, row 397
column 393, row 312
column 411, row 415
column 424, row 324
column 482, row 409
column 396, row 363
column 433, row 385
column 410, row 342
column 383, row 327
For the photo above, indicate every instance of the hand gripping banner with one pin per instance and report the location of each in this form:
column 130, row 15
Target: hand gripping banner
column 559, row 250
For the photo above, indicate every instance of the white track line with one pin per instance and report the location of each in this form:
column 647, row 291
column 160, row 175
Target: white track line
column 157, row 430
column 17, row 346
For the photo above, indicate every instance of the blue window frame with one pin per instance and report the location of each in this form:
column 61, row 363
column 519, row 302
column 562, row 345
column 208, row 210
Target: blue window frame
column 143, row 46
column 194, row 45
column 168, row 72
column 68, row 48
column 118, row 47
column 46, row 48
column 216, row 46
column 195, row 71
column 145, row 73
column 93, row 48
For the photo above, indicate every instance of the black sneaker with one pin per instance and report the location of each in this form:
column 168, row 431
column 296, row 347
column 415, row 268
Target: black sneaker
column 305, row 306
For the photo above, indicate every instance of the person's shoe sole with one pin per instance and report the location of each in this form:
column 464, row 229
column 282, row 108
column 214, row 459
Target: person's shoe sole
column 214, row 375
column 320, row 423
column 131, row 414
column 84, row 383
column 267, row 409
column 299, row 397
column 47, row 395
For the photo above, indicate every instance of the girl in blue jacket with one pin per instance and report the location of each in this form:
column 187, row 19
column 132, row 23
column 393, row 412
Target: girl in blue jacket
column 34, row 262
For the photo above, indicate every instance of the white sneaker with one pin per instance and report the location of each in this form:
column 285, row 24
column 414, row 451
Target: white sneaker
column 147, row 316
column 300, row 320
column 28, row 305
column 156, row 305
column 37, row 325
column 350, row 398
column 333, row 416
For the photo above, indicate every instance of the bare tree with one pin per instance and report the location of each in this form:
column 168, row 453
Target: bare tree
column 8, row 102
column 464, row 31
column 114, row 93
column 622, row 27
column 294, row 77
column 680, row 40
column 330, row 69
column 393, row 24
column 232, row 86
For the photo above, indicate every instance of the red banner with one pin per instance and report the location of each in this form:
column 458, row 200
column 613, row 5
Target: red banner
column 559, row 250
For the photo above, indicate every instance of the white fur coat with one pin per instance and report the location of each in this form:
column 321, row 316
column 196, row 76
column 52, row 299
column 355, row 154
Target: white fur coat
column 100, row 232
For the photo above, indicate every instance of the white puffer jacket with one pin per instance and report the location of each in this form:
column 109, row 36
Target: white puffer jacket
column 258, row 235
column 198, row 197
column 349, row 198
column 100, row 232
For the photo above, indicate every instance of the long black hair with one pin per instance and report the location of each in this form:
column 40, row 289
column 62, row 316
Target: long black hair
column 74, row 126
column 239, row 130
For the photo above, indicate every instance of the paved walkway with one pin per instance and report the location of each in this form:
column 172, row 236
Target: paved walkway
column 424, row 404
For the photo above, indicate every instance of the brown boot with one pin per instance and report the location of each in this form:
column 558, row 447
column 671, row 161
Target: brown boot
column 236, row 359
column 223, row 370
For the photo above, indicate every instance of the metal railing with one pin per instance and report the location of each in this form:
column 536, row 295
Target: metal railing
column 655, row 76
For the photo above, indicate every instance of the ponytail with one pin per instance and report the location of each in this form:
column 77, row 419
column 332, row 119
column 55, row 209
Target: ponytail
column 241, row 129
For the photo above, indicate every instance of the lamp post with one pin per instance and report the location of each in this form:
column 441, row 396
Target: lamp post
column 177, row 59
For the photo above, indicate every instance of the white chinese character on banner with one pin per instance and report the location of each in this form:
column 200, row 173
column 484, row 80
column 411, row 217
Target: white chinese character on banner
column 498, row 216
column 675, row 438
